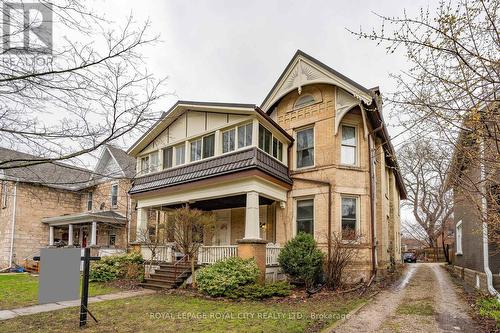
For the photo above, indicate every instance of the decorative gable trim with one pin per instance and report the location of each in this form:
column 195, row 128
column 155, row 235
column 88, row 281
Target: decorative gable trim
column 304, row 70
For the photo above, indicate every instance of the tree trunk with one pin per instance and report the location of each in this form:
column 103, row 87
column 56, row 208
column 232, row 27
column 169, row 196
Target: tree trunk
column 192, row 272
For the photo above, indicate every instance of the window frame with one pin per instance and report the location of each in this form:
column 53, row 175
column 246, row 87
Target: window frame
column 5, row 195
column 203, row 145
column 165, row 150
column 297, row 106
column 459, row 238
column 245, row 125
column 145, row 170
column 296, row 209
column 235, row 138
column 90, row 200
column 297, row 131
column 355, row 146
column 154, row 168
column 111, row 234
column 111, row 196
column 175, row 148
column 357, row 219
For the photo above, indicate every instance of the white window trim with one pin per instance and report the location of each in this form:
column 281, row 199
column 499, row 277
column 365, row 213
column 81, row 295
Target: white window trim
column 235, row 129
column 272, row 138
column 356, row 133
column 358, row 217
column 296, row 155
column 91, row 200
column 459, row 247
column 294, row 213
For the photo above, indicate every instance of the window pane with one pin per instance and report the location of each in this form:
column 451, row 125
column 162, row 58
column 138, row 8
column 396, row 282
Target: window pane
column 208, row 146
column 305, row 139
column 196, row 150
column 349, row 218
column 348, row 155
column 153, row 166
column 180, row 154
column 167, row 158
column 275, row 147
column 248, row 134
column 305, row 158
column 265, row 139
column 228, row 143
column 114, row 195
column 305, row 216
column 348, row 135
column 304, row 100
column 145, row 164
column 280, row 151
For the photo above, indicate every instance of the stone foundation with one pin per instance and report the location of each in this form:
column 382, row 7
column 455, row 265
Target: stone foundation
column 254, row 248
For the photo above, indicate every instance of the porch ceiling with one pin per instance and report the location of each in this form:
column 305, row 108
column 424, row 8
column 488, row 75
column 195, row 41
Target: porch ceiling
column 235, row 201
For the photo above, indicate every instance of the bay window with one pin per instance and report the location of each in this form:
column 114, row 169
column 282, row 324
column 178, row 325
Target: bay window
column 180, row 154
column 265, row 139
column 196, row 150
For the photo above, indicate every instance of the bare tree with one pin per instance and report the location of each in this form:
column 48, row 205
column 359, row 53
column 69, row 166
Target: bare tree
column 424, row 167
column 344, row 251
column 450, row 88
column 189, row 226
column 85, row 89
column 152, row 243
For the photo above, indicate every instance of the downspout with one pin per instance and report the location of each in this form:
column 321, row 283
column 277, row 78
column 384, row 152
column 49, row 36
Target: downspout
column 484, row 206
column 371, row 141
column 13, row 228
column 320, row 182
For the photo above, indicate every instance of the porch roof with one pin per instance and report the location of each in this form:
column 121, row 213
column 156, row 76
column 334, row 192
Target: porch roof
column 107, row 216
column 252, row 158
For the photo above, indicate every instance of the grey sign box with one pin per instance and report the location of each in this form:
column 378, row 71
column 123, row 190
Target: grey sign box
column 59, row 275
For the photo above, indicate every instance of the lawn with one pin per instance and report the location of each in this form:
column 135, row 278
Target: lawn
column 182, row 313
column 18, row 290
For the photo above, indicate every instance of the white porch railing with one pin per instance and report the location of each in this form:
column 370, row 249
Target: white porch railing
column 272, row 252
column 211, row 254
column 163, row 253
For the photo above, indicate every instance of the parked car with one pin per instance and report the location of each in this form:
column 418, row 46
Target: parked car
column 409, row 257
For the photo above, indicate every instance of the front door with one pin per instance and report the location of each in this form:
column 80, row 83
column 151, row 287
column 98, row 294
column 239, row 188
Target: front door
column 222, row 232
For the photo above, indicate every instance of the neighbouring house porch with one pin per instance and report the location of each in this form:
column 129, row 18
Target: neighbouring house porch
column 104, row 230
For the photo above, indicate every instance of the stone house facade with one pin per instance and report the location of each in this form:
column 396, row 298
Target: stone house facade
column 57, row 204
column 314, row 157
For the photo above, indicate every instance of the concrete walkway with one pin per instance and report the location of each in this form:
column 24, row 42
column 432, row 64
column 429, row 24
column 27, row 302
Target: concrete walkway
column 8, row 314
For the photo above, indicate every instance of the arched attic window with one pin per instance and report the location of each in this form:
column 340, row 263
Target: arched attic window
column 304, row 100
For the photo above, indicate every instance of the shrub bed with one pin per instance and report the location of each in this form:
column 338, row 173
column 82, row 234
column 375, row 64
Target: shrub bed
column 122, row 266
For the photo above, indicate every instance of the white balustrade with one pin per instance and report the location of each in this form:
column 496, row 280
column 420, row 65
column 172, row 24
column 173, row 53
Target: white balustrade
column 211, row 254
column 272, row 252
column 163, row 253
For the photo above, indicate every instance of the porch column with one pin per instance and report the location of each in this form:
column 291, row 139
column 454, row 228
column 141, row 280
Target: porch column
column 51, row 236
column 70, row 235
column 252, row 246
column 252, row 228
column 93, row 239
column 142, row 222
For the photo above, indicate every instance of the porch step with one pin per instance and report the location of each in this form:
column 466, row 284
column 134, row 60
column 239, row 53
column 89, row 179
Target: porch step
column 168, row 276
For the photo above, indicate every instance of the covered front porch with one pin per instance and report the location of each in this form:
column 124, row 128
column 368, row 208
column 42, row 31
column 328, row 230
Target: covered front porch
column 230, row 227
column 103, row 230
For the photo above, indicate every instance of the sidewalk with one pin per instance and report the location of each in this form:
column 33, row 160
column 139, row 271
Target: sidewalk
column 8, row 314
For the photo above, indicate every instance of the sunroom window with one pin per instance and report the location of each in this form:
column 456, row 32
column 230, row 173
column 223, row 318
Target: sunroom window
column 228, row 140
column 244, row 135
column 265, row 139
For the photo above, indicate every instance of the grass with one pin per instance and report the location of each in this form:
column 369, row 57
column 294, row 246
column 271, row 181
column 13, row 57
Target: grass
column 19, row 290
column 489, row 307
column 182, row 313
column 418, row 308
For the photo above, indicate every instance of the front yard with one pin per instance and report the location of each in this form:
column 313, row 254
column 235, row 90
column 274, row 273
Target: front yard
column 20, row 290
column 177, row 312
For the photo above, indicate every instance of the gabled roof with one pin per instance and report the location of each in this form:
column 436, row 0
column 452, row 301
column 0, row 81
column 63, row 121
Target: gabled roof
column 55, row 174
column 180, row 107
column 304, row 70
column 124, row 161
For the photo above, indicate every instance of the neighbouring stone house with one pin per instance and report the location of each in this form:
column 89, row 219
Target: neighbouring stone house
column 314, row 157
column 59, row 204
column 474, row 178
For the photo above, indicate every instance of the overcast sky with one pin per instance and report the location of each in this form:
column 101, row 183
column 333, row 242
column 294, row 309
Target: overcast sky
column 234, row 51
